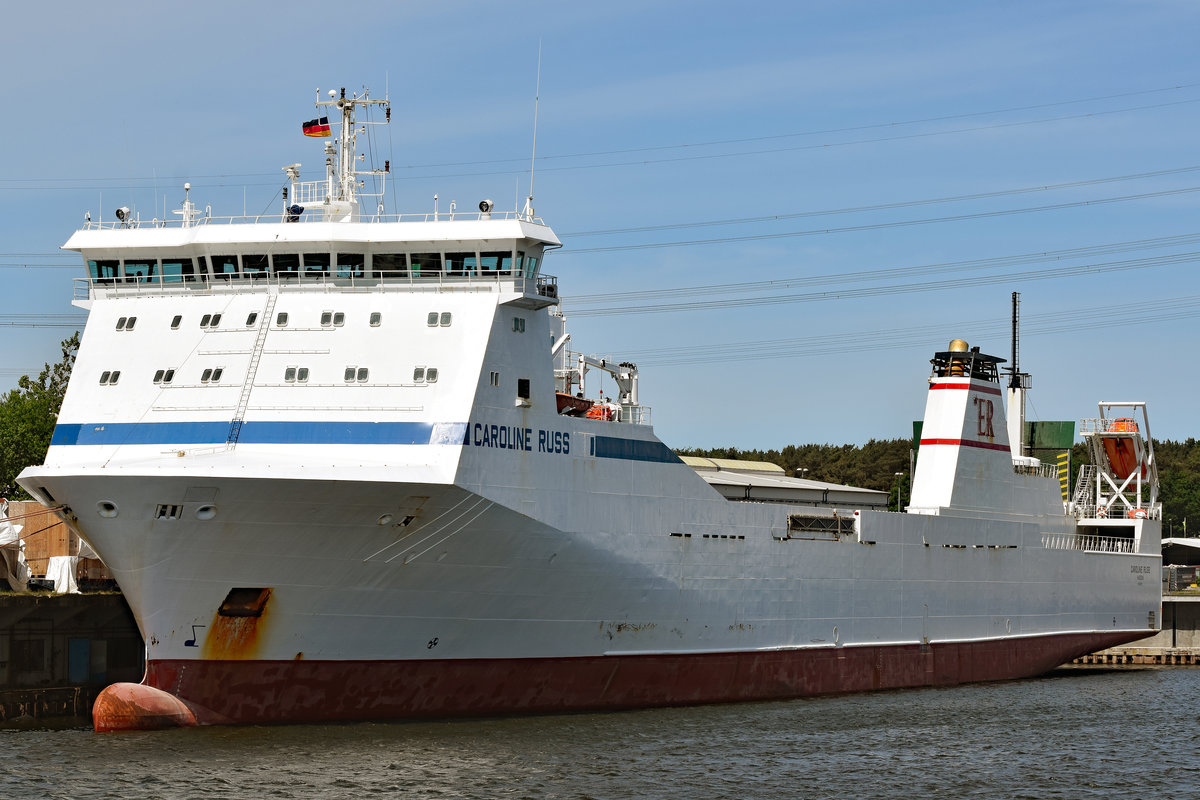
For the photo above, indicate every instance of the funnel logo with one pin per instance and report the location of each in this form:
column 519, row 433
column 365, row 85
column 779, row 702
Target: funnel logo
column 985, row 410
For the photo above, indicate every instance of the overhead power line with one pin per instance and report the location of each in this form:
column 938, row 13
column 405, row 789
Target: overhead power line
column 1145, row 312
column 862, row 276
column 894, row 289
column 882, row 225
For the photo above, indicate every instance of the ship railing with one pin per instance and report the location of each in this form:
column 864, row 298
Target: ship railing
column 1087, row 542
column 1038, row 470
column 636, row 415
column 1090, row 510
column 335, row 281
column 309, row 214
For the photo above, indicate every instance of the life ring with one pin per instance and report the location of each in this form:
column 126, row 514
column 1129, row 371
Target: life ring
column 1101, row 512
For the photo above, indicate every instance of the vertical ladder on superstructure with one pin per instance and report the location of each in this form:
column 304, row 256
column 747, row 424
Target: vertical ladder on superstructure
column 264, row 325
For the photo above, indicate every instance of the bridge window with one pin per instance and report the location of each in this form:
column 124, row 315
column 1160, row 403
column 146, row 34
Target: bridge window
column 349, row 265
column 286, row 265
column 426, row 263
column 460, row 264
column 496, row 262
column 224, row 267
column 105, row 271
column 531, row 263
column 178, row 270
column 254, row 265
column 140, row 271
column 389, row 265
column 316, row 264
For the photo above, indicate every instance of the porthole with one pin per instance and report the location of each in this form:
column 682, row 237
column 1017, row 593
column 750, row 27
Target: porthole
column 281, row 319
column 158, row 375
column 206, row 376
column 431, row 374
column 348, row 376
column 445, row 319
column 121, row 323
column 169, row 376
column 104, row 376
column 252, row 318
column 376, row 318
column 432, row 319
column 339, row 319
column 206, row 512
column 362, row 374
column 326, row 319
column 116, row 374
column 178, row 318
column 289, row 375
column 302, row 375
column 106, row 509
column 205, row 320
column 216, row 320
column 418, row 375
column 216, row 376
column 385, row 519
column 129, row 325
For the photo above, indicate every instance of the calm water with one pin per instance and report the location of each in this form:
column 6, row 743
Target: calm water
column 1076, row 734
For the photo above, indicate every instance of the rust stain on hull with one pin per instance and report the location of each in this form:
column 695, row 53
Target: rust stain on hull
column 235, row 637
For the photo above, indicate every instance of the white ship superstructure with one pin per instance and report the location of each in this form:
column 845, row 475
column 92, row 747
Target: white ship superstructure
column 342, row 468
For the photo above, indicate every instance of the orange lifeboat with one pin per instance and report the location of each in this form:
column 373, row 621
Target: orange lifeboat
column 1124, row 452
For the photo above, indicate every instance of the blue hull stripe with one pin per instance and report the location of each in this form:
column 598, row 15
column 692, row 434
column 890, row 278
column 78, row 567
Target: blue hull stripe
column 632, row 450
column 272, row 432
column 178, row 434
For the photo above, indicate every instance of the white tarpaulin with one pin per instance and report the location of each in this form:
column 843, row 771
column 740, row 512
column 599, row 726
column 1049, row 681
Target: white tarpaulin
column 13, row 568
column 61, row 570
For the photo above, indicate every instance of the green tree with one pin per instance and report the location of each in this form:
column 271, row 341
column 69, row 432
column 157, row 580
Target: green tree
column 27, row 417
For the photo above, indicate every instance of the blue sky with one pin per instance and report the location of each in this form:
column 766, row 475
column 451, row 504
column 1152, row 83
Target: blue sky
column 901, row 165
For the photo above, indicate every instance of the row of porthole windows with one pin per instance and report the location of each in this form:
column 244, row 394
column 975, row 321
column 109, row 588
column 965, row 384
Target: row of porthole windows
column 292, row 374
column 435, row 319
column 161, row 376
column 328, row 319
column 357, row 374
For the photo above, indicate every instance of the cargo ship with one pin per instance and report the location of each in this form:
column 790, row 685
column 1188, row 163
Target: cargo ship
column 343, row 465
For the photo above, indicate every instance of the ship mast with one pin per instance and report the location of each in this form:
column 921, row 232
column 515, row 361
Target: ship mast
column 1018, row 382
column 339, row 194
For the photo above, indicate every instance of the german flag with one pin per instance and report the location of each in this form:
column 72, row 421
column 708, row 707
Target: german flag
column 317, row 127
